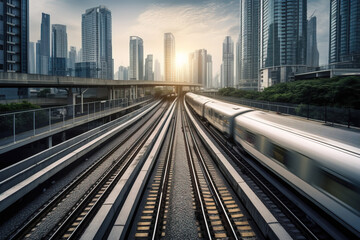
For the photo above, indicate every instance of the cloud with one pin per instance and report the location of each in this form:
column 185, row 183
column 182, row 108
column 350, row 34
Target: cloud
column 194, row 27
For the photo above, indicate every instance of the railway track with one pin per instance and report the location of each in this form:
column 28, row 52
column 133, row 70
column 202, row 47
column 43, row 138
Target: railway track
column 298, row 224
column 153, row 217
column 220, row 216
column 86, row 206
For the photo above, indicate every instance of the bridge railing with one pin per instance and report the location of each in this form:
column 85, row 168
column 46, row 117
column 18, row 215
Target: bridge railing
column 330, row 115
column 19, row 125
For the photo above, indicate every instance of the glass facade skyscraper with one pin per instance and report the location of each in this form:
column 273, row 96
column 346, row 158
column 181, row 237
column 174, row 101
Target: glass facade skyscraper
column 59, row 50
column 248, row 45
column 169, row 56
column 97, row 40
column 283, row 34
column 312, row 55
column 149, row 73
column 344, row 42
column 228, row 62
column 136, row 70
column 45, row 44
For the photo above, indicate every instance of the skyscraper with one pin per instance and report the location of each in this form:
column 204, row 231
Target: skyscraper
column 59, row 50
column 14, row 31
column 32, row 60
column 344, row 49
column 169, row 56
column 123, row 73
column 149, row 74
column 45, row 44
column 312, row 53
column 228, row 62
column 157, row 70
column 199, row 64
column 283, row 30
column 97, row 40
column 209, row 75
column 248, row 45
column 136, row 71
column 38, row 57
column 72, row 61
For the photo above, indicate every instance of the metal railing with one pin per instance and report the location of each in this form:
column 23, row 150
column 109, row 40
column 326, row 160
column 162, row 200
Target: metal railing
column 19, row 125
column 330, row 115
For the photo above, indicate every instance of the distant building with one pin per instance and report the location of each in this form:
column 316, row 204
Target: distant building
column 72, row 61
column 38, row 57
column 169, row 57
column 123, row 73
column 312, row 53
column 97, row 40
column 247, row 70
column 32, row 58
column 59, row 50
column 86, row 70
column 200, row 66
column 157, row 70
column 136, row 71
column 228, row 62
column 80, row 56
column 283, row 31
column 344, row 37
column 45, row 44
column 149, row 74
column 209, row 75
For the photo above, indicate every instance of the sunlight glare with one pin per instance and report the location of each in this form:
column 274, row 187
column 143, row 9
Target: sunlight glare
column 181, row 59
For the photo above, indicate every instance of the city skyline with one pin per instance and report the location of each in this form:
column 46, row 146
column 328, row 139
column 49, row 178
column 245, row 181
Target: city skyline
column 195, row 25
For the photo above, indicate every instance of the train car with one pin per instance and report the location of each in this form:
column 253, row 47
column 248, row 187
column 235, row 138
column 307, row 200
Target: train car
column 197, row 102
column 321, row 163
column 221, row 115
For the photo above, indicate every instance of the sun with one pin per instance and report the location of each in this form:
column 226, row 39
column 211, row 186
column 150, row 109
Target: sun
column 181, row 59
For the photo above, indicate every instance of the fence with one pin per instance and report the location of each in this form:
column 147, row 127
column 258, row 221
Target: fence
column 345, row 116
column 20, row 125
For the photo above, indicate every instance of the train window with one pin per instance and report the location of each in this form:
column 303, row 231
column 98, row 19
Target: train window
column 339, row 188
column 250, row 138
column 278, row 153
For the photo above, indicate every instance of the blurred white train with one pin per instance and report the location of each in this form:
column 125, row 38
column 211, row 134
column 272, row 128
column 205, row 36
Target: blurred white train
column 322, row 163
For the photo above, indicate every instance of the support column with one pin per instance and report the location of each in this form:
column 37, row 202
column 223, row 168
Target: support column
column 50, row 144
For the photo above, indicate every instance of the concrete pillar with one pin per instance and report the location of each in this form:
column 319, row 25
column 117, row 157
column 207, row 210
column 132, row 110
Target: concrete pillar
column 136, row 92
column 49, row 142
column 63, row 136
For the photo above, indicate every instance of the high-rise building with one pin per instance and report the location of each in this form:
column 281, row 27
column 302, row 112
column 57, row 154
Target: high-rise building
column 312, row 53
column 45, row 44
column 14, row 43
column 80, row 56
column 248, row 45
column 32, row 59
column 97, row 40
column 157, row 70
column 59, row 50
column 344, row 49
column 149, row 74
column 200, row 67
column 209, row 75
column 72, row 61
column 238, row 62
column 123, row 73
column 228, row 62
column 283, row 30
column 136, row 71
column 169, row 56
column 38, row 57
column 14, row 31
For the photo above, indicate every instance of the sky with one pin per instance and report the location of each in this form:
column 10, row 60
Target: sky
column 196, row 24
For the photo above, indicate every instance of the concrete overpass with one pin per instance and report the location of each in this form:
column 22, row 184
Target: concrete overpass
column 20, row 80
